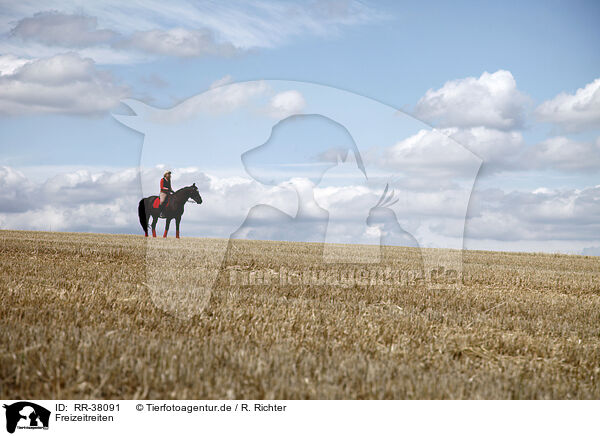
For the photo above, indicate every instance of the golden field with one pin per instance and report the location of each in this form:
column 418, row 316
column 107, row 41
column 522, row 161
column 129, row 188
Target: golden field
column 118, row 316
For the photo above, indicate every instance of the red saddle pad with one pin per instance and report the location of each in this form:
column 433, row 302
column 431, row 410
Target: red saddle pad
column 156, row 203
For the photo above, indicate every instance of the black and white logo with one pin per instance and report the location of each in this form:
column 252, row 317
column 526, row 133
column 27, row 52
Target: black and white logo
column 26, row 415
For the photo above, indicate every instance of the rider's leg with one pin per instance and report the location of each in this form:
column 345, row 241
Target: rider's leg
column 163, row 201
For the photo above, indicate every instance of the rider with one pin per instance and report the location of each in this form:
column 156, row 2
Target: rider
column 165, row 190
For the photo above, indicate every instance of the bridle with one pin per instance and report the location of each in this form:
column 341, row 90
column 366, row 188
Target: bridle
column 189, row 200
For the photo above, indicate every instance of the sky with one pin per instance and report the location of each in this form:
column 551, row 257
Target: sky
column 482, row 117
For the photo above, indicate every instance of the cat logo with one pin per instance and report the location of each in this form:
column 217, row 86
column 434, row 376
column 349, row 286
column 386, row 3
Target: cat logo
column 26, row 415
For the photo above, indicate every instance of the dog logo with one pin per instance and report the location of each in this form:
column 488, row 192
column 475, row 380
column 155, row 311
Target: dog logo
column 26, row 415
column 327, row 167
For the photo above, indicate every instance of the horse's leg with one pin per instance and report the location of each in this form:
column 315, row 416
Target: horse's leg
column 177, row 221
column 167, row 227
column 147, row 222
column 154, row 220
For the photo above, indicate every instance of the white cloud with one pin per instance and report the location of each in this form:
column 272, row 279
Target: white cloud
column 218, row 100
column 9, row 64
column 491, row 101
column 255, row 24
column 565, row 154
column 101, row 54
column 106, row 201
column 543, row 214
column 66, row 30
column 495, row 147
column 63, row 83
column 573, row 112
column 178, row 28
column 431, row 154
column 77, row 201
column 178, row 42
column 286, row 103
column 15, row 190
column 223, row 97
column 502, row 151
column 57, row 70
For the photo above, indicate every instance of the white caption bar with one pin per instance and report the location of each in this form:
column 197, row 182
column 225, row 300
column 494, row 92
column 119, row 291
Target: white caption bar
column 263, row 418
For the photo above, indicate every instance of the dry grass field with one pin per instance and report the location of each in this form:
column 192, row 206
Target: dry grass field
column 84, row 316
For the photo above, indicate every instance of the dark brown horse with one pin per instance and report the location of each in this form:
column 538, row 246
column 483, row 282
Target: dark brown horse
column 173, row 210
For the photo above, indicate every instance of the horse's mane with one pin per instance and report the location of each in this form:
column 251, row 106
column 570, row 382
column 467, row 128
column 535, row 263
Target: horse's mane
column 181, row 189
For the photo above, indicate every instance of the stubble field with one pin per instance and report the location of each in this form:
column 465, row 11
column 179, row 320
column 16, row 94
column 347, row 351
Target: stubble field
column 84, row 316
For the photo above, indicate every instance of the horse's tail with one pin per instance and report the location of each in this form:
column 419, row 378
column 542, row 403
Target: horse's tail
column 142, row 216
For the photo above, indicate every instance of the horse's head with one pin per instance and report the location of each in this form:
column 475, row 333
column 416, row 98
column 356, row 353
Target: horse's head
column 195, row 194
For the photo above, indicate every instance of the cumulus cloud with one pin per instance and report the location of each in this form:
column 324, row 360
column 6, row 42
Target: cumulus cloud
column 497, row 148
column 66, row 30
column 564, row 154
column 9, row 64
column 83, row 186
column 491, row 101
column 542, row 214
column 57, row 70
column 485, row 113
column 77, row 201
column 178, row 42
column 285, row 104
column 16, row 191
column 106, row 201
column 573, row 112
column 217, row 100
column 431, row 154
column 63, row 83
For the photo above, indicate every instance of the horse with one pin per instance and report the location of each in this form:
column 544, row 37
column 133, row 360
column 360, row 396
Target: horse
column 173, row 209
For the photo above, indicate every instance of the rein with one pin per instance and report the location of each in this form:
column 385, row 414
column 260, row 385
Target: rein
column 189, row 200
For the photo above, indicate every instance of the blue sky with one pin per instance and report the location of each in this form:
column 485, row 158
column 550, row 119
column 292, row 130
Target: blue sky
column 513, row 82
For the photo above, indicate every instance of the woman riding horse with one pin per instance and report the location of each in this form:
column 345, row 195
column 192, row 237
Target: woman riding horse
column 173, row 210
column 165, row 190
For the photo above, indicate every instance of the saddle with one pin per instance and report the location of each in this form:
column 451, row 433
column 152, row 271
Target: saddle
column 156, row 203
